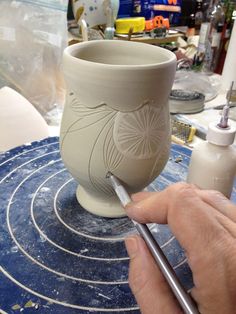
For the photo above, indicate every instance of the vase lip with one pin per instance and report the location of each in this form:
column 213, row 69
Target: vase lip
column 170, row 56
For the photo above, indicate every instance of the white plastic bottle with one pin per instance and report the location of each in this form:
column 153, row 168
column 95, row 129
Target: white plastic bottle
column 213, row 162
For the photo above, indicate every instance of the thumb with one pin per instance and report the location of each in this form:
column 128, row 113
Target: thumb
column 147, row 283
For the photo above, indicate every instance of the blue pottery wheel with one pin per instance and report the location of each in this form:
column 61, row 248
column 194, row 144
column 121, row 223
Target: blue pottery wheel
column 55, row 257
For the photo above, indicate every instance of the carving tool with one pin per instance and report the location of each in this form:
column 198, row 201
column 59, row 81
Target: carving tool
column 225, row 113
column 220, row 107
column 110, row 29
column 84, row 30
column 184, row 299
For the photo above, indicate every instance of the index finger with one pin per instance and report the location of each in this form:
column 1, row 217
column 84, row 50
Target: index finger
column 191, row 219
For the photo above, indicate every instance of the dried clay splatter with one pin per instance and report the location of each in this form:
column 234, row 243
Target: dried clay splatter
column 29, row 304
column 16, row 307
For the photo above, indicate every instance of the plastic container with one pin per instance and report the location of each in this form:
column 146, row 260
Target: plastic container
column 123, row 25
column 213, row 163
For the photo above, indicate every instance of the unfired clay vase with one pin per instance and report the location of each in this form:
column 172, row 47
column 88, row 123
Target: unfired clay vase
column 116, row 118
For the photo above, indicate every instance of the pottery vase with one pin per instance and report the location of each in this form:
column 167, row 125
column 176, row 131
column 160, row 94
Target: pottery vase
column 116, row 118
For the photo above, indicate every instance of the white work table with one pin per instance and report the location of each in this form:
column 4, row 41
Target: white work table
column 202, row 119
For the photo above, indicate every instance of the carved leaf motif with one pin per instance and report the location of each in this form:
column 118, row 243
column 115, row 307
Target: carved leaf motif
column 97, row 175
column 111, row 156
column 161, row 161
column 139, row 134
column 101, row 185
column 82, row 110
column 87, row 116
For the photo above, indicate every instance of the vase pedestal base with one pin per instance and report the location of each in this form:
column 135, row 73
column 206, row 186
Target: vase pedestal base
column 108, row 206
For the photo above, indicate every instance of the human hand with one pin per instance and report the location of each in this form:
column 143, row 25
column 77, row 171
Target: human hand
column 204, row 222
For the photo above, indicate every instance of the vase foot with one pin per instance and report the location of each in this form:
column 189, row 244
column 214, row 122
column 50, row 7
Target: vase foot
column 105, row 206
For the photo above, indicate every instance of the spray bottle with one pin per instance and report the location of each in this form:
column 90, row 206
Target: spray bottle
column 213, row 162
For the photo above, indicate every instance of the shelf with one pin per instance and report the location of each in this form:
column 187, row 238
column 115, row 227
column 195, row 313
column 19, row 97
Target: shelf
column 150, row 40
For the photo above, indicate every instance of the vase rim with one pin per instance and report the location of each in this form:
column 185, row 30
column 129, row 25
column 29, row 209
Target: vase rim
column 71, row 50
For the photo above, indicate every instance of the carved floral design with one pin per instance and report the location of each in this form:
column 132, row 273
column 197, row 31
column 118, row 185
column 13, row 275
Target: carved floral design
column 86, row 119
column 160, row 160
column 139, row 134
column 112, row 137
column 111, row 156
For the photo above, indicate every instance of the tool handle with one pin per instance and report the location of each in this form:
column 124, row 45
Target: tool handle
column 185, row 300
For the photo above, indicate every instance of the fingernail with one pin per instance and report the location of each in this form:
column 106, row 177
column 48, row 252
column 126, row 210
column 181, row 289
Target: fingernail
column 220, row 197
column 131, row 244
column 129, row 206
column 132, row 206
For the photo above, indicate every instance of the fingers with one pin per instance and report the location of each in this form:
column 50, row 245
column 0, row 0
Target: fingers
column 146, row 207
column 214, row 198
column 153, row 206
column 219, row 202
column 140, row 196
column 136, row 197
column 146, row 281
column 204, row 224
column 180, row 206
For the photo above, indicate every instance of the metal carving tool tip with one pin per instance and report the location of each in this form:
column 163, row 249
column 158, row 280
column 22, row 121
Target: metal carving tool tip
column 225, row 113
column 184, row 299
